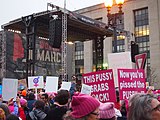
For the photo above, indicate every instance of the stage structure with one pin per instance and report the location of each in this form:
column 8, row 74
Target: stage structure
column 79, row 28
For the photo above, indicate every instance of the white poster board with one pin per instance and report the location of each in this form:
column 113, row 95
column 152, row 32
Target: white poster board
column 35, row 82
column 119, row 60
column 66, row 86
column 51, row 84
column 86, row 89
column 9, row 89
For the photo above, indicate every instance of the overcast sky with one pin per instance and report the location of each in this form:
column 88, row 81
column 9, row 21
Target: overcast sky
column 13, row 9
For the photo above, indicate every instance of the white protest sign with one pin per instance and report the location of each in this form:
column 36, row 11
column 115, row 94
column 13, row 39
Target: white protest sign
column 86, row 89
column 9, row 89
column 35, row 82
column 119, row 60
column 51, row 84
column 66, row 86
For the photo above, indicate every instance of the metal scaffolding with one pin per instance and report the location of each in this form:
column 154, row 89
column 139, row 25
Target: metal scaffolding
column 64, row 39
column 64, row 44
column 30, row 24
column 2, row 55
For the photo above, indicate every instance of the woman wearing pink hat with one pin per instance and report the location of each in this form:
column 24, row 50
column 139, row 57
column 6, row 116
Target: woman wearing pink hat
column 83, row 107
column 107, row 111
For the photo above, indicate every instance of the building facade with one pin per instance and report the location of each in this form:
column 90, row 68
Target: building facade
column 140, row 23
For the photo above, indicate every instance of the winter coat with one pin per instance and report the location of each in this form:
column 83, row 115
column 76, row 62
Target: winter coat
column 37, row 114
column 56, row 112
column 21, row 113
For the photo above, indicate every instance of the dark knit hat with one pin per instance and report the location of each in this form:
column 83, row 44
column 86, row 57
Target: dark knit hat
column 106, row 110
column 83, row 104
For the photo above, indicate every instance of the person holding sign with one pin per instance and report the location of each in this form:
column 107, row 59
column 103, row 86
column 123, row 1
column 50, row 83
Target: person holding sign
column 60, row 106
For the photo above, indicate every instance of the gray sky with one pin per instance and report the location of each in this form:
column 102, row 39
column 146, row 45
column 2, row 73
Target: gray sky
column 13, row 9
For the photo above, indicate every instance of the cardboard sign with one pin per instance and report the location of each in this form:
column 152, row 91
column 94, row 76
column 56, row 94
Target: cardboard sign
column 119, row 60
column 51, row 84
column 102, row 84
column 66, row 86
column 86, row 89
column 35, row 82
column 131, row 81
column 9, row 89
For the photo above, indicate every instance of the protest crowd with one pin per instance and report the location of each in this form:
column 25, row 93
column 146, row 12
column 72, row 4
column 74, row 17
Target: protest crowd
column 72, row 104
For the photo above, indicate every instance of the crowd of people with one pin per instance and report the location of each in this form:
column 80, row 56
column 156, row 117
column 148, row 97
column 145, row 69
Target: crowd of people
column 69, row 105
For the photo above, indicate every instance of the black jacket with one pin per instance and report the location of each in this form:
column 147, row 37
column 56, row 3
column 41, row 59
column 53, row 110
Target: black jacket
column 56, row 112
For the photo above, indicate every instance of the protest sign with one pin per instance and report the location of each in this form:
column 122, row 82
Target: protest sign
column 86, row 89
column 35, row 82
column 66, row 86
column 131, row 81
column 9, row 89
column 51, row 84
column 102, row 84
column 119, row 60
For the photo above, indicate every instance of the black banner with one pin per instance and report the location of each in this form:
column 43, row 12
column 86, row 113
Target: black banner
column 48, row 59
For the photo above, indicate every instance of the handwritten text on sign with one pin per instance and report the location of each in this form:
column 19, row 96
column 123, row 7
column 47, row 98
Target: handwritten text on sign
column 131, row 81
column 102, row 83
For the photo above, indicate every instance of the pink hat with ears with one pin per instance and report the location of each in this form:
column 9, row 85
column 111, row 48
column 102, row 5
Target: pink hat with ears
column 106, row 110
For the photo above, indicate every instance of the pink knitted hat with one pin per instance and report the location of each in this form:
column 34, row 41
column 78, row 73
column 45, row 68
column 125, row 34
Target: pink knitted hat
column 82, row 105
column 23, row 101
column 107, row 110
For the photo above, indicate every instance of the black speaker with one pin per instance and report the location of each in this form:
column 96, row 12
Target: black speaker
column 134, row 50
column 55, row 32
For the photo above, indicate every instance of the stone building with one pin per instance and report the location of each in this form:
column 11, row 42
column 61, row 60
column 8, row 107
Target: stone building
column 139, row 23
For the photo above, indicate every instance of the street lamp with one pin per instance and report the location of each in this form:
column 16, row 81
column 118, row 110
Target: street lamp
column 112, row 18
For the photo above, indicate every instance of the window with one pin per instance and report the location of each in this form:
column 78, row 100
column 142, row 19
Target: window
column 142, row 34
column 79, row 58
column 141, row 17
column 120, row 22
column 79, row 51
column 142, row 30
column 97, row 53
column 120, row 45
column 120, row 37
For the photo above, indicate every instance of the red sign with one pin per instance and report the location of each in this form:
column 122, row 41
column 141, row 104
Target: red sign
column 140, row 60
column 131, row 81
column 102, row 83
